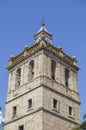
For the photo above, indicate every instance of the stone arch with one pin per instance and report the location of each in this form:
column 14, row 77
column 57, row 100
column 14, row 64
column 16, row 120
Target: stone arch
column 18, row 77
column 31, row 70
column 66, row 77
column 53, row 69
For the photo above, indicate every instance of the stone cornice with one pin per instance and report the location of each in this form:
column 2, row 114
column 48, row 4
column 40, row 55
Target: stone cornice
column 46, row 111
column 48, row 88
column 42, row 45
column 43, row 32
column 25, row 54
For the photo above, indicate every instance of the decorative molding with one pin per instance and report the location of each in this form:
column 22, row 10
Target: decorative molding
column 42, row 45
column 44, row 110
column 48, row 88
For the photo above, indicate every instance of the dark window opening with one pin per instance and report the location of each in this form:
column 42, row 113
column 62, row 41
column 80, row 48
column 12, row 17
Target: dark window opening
column 53, row 68
column 66, row 77
column 32, row 67
column 19, row 72
column 14, row 110
column 54, row 103
column 18, row 77
column 21, row 127
column 31, row 70
column 70, row 111
column 30, row 103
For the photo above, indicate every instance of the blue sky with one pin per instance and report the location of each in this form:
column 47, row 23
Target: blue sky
column 65, row 19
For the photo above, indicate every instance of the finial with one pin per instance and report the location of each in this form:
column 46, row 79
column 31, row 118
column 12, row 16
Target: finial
column 26, row 46
column 74, row 58
column 11, row 56
column 59, row 48
column 43, row 23
column 0, row 108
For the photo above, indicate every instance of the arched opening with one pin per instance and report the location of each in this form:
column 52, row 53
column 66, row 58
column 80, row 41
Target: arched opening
column 18, row 77
column 31, row 69
column 66, row 77
column 53, row 69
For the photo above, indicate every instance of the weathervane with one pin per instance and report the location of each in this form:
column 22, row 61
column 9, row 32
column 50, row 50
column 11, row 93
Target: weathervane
column 43, row 22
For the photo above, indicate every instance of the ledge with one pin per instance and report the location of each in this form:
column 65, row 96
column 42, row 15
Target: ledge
column 42, row 45
column 44, row 110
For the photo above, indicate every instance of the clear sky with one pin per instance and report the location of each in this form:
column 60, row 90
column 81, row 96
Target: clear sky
column 65, row 19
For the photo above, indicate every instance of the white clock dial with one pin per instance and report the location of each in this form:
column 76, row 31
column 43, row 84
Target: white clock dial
column 38, row 39
column 47, row 39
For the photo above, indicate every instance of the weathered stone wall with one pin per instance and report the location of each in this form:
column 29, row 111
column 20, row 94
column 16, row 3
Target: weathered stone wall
column 63, row 103
column 52, row 122
column 30, row 122
column 21, row 103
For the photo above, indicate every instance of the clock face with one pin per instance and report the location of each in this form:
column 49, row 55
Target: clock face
column 47, row 39
column 38, row 39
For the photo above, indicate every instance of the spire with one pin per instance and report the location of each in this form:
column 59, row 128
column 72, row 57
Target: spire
column 42, row 26
column 43, row 34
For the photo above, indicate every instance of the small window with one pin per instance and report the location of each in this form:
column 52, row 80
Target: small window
column 66, row 77
column 55, row 103
column 21, row 127
column 70, row 111
column 29, row 103
column 14, row 110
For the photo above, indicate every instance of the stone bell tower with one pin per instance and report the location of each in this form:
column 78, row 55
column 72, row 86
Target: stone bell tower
column 42, row 90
